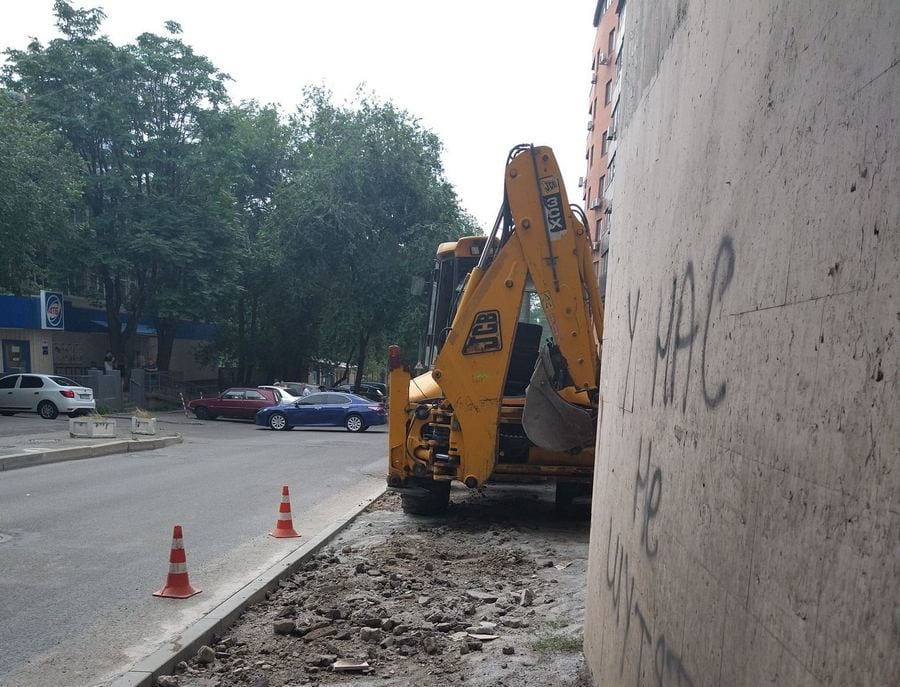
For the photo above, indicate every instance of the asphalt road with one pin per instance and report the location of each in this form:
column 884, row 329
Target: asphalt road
column 83, row 544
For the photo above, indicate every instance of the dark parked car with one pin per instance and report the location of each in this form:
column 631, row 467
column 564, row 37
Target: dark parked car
column 235, row 402
column 367, row 390
column 325, row 409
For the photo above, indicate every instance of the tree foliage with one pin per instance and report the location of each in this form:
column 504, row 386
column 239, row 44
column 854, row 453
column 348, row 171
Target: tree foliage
column 299, row 237
column 134, row 115
column 38, row 188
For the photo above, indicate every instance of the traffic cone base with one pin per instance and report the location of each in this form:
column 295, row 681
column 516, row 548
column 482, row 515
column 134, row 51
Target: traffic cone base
column 284, row 527
column 180, row 591
column 177, row 585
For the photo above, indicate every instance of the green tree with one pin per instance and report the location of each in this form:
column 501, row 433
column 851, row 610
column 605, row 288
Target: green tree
column 38, row 187
column 363, row 213
column 134, row 115
column 253, row 144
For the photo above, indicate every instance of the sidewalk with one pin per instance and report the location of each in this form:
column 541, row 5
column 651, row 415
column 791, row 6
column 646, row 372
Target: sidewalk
column 27, row 449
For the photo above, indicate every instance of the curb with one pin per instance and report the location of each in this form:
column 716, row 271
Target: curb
column 185, row 645
column 59, row 455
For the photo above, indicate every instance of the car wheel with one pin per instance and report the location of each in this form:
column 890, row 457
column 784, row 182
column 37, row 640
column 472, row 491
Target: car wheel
column 202, row 413
column 354, row 423
column 47, row 410
column 6, row 413
column 278, row 421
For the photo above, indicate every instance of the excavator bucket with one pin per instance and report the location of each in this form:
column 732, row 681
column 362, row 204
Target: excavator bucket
column 549, row 421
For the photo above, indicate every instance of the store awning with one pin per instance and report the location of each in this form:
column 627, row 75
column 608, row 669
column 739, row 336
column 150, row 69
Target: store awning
column 142, row 329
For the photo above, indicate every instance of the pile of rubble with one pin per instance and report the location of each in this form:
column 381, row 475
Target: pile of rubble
column 491, row 594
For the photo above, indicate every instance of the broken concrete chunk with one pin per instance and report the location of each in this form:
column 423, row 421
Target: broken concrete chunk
column 483, row 637
column 370, row 634
column 206, row 655
column 473, row 644
column 509, row 650
column 319, row 633
column 527, row 597
column 430, row 645
column 481, row 597
column 168, row 681
column 284, row 627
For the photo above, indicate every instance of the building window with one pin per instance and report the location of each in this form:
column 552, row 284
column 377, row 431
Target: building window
column 601, row 186
column 612, row 43
column 611, row 170
column 604, row 143
column 608, row 92
column 591, row 164
column 599, row 230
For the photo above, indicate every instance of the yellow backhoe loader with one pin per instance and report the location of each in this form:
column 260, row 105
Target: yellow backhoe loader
column 512, row 350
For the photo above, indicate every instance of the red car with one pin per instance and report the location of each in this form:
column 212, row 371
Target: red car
column 235, row 402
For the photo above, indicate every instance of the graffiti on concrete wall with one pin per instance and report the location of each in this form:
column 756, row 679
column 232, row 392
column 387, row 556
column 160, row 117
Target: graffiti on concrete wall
column 683, row 321
column 683, row 351
column 678, row 334
column 639, row 632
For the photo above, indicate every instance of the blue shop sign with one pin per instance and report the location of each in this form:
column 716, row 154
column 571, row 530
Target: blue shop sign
column 52, row 311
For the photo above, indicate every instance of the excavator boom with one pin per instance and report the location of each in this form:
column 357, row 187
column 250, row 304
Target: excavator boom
column 538, row 245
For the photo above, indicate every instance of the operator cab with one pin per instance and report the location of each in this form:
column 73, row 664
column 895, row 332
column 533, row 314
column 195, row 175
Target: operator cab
column 454, row 261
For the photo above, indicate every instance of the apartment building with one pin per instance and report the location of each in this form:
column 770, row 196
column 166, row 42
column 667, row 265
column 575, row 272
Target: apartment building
column 601, row 136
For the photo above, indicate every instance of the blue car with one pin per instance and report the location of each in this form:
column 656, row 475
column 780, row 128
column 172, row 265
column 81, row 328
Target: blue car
column 327, row 409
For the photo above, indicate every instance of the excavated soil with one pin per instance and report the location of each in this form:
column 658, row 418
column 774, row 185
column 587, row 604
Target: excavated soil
column 490, row 594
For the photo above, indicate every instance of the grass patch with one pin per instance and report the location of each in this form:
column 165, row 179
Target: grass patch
column 557, row 644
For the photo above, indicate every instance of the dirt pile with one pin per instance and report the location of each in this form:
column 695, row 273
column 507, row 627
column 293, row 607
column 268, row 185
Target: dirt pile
column 491, row 594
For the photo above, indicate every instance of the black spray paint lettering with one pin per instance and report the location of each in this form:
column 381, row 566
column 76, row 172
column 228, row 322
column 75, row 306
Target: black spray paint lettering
column 632, row 325
column 726, row 251
column 682, row 328
column 667, row 666
column 650, row 501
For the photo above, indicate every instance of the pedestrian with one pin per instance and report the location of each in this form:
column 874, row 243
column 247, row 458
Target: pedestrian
column 306, row 390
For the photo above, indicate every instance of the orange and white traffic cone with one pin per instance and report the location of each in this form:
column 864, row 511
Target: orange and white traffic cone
column 284, row 527
column 177, row 585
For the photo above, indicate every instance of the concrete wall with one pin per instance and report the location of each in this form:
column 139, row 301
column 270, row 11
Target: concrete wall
column 746, row 524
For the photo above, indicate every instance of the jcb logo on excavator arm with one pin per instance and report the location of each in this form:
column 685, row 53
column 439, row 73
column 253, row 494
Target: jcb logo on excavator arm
column 551, row 199
column 484, row 335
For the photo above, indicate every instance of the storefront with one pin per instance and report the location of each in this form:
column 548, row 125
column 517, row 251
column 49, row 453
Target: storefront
column 53, row 334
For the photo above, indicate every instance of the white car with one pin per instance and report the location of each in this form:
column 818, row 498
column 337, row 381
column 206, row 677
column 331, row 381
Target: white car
column 46, row 395
column 282, row 394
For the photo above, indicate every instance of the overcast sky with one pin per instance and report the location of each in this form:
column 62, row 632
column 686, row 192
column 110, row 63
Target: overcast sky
column 484, row 75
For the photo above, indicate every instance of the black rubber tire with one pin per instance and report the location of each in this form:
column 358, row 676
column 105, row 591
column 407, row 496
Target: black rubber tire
column 47, row 410
column 433, row 501
column 202, row 413
column 7, row 413
column 355, row 423
column 278, row 421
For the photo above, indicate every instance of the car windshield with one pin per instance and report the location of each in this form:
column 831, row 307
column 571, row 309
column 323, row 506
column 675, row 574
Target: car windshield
column 64, row 381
